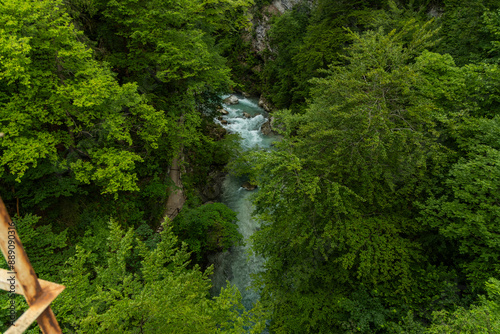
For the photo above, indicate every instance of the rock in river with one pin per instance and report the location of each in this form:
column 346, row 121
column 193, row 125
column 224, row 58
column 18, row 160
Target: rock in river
column 266, row 128
column 231, row 100
column 248, row 186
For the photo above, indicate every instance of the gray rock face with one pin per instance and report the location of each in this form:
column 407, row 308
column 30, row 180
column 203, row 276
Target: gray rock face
column 231, row 100
column 277, row 7
column 284, row 5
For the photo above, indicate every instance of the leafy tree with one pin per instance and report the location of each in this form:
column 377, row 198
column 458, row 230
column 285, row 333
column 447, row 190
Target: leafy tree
column 463, row 32
column 491, row 21
column 308, row 39
column 173, row 56
column 342, row 246
column 73, row 130
column 482, row 317
column 462, row 202
column 286, row 38
column 207, row 229
column 64, row 116
column 138, row 288
column 466, row 210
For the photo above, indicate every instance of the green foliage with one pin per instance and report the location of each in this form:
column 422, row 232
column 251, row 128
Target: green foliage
column 76, row 126
column 64, row 111
column 286, row 38
column 482, row 318
column 207, row 229
column 491, row 21
column 305, row 40
column 386, row 187
column 463, row 32
column 337, row 191
column 47, row 252
column 210, row 154
column 458, row 92
column 136, row 288
column 462, row 203
column 380, row 206
column 467, row 210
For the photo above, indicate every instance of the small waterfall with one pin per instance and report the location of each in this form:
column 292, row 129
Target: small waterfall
column 237, row 264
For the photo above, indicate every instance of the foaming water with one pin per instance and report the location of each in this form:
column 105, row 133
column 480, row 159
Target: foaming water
column 238, row 265
column 248, row 129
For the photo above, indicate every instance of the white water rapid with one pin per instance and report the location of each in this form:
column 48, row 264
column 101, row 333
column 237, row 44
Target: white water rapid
column 237, row 264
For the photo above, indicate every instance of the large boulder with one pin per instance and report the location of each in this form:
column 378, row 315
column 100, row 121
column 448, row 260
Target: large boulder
column 222, row 121
column 231, row 100
column 223, row 111
column 264, row 104
column 266, row 128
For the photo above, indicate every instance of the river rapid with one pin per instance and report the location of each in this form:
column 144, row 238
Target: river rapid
column 239, row 263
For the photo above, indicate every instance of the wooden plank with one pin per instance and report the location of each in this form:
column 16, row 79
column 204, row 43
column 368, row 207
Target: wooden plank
column 5, row 275
column 36, row 309
column 13, row 250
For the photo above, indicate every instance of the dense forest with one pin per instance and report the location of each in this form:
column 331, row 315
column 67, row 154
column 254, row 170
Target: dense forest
column 379, row 205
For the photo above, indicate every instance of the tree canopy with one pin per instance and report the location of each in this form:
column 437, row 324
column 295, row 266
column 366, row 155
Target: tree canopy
column 379, row 204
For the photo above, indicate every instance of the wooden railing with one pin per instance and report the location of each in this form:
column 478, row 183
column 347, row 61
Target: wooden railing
column 21, row 279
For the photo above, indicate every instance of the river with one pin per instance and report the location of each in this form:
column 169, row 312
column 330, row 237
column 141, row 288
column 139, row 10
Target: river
column 237, row 264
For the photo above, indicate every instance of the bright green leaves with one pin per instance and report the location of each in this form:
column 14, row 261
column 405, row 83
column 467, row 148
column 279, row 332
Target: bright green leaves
column 137, row 288
column 375, row 250
column 463, row 202
column 482, row 317
column 26, row 152
column 471, row 90
column 111, row 169
column 369, row 119
column 13, row 58
column 172, row 44
column 69, row 109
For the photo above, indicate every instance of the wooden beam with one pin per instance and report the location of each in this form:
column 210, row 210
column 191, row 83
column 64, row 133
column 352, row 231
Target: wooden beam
column 26, row 281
